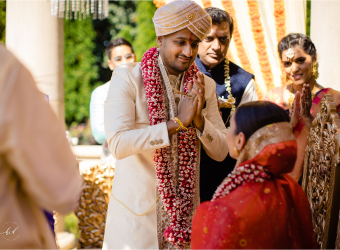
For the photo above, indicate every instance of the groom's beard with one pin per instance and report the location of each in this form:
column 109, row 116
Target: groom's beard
column 178, row 63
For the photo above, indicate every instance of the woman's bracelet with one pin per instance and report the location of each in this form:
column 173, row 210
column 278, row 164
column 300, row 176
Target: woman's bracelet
column 181, row 126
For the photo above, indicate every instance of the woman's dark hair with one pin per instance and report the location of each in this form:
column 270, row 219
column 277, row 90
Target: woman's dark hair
column 115, row 43
column 218, row 16
column 293, row 39
column 251, row 116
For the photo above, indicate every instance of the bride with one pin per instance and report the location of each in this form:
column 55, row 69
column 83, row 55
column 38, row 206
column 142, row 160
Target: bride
column 258, row 205
column 301, row 97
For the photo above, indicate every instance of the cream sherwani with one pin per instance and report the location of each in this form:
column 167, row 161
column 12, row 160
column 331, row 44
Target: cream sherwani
column 132, row 141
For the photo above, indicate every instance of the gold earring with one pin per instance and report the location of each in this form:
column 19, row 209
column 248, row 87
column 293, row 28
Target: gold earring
column 236, row 151
column 315, row 72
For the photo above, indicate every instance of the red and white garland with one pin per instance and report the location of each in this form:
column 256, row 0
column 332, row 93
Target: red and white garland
column 177, row 201
column 240, row 176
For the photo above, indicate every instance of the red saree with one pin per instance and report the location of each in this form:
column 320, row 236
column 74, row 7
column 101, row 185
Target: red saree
column 301, row 130
column 272, row 213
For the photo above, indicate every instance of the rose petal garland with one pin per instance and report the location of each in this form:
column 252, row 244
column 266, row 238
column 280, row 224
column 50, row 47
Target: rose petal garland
column 177, row 201
column 240, row 176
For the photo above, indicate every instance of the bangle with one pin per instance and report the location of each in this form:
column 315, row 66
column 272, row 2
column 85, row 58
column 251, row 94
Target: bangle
column 181, row 126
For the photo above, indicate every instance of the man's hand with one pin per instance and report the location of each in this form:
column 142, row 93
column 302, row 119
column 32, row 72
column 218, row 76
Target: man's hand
column 186, row 112
column 187, row 109
column 199, row 90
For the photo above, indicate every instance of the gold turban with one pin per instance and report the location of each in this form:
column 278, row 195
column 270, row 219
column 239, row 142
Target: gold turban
column 181, row 14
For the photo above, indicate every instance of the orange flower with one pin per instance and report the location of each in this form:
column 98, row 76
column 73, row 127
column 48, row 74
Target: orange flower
column 159, row 3
column 206, row 4
column 241, row 52
column 280, row 23
column 258, row 34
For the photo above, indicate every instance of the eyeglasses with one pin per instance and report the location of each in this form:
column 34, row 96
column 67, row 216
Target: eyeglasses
column 127, row 57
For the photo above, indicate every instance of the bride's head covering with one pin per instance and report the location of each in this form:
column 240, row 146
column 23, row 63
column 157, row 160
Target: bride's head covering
column 269, row 137
column 181, row 14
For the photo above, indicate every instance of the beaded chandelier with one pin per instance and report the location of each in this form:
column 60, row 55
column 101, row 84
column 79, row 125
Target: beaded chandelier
column 80, row 9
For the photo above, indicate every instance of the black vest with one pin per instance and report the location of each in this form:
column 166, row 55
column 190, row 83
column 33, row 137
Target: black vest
column 212, row 172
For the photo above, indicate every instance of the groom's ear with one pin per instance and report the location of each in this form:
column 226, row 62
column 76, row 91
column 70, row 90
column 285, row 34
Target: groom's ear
column 159, row 40
column 241, row 141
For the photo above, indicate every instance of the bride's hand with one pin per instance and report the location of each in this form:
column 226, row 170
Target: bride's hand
column 306, row 104
column 295, row 111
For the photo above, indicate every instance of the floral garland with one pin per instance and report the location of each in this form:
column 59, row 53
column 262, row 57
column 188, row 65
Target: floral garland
column 159, row 3
column 228, row 86
column 241, row 52
column 206, row 4
column 240, row 176
column 177, row 201
column 256, row 27
column 280, row 24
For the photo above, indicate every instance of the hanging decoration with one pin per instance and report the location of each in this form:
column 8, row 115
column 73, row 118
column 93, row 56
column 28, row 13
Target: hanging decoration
column 80, row 9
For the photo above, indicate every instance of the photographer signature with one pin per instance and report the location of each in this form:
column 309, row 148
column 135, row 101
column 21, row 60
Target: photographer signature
column 12, row 228
column 9, row 232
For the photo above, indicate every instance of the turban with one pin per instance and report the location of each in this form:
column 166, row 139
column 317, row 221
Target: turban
column 181, row 14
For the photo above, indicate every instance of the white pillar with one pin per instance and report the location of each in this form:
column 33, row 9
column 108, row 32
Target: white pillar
column 325, row 33
column 36, row 38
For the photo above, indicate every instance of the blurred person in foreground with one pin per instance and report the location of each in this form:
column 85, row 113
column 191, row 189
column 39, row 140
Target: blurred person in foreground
column 258, row 205
column 119, row 51
column 37, row 167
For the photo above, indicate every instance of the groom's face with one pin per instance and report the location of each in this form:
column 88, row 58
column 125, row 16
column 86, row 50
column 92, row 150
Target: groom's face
column 178, row 50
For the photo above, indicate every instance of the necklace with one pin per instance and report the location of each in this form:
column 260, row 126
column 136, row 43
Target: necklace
column 230, row 102
column 292, row 96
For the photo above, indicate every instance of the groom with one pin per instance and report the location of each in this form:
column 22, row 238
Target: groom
column 155, row 125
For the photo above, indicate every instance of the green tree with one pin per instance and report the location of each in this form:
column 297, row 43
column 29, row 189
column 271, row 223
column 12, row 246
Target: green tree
column 80, row 72
column 120, row 23
column 2, row 21
column 308, row 18
column 146, row 35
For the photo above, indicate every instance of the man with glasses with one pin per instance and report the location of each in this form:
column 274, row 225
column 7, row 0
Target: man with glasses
column 119, row 51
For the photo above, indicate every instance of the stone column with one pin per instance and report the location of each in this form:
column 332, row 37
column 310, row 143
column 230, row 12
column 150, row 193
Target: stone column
column 325, row 33
column 36, row 38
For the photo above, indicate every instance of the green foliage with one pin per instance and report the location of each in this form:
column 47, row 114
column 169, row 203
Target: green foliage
column 2, row 21
column 122, row 16
column 308, row 18
column 146, row 35
column 120, row 23
column 80, row 71
column 71, row 224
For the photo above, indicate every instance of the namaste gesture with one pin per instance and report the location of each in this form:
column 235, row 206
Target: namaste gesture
column 191, row 109
column 301, row 107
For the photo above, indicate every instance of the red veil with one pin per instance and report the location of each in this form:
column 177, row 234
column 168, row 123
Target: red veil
column 274, row 213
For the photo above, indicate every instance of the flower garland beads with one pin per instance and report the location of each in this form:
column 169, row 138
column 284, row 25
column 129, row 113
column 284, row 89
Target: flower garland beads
column 177, row 201
column 240, row 176
column 231, row 99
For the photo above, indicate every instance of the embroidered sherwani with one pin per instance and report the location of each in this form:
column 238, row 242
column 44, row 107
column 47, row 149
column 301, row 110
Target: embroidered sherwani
column 132, row 141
